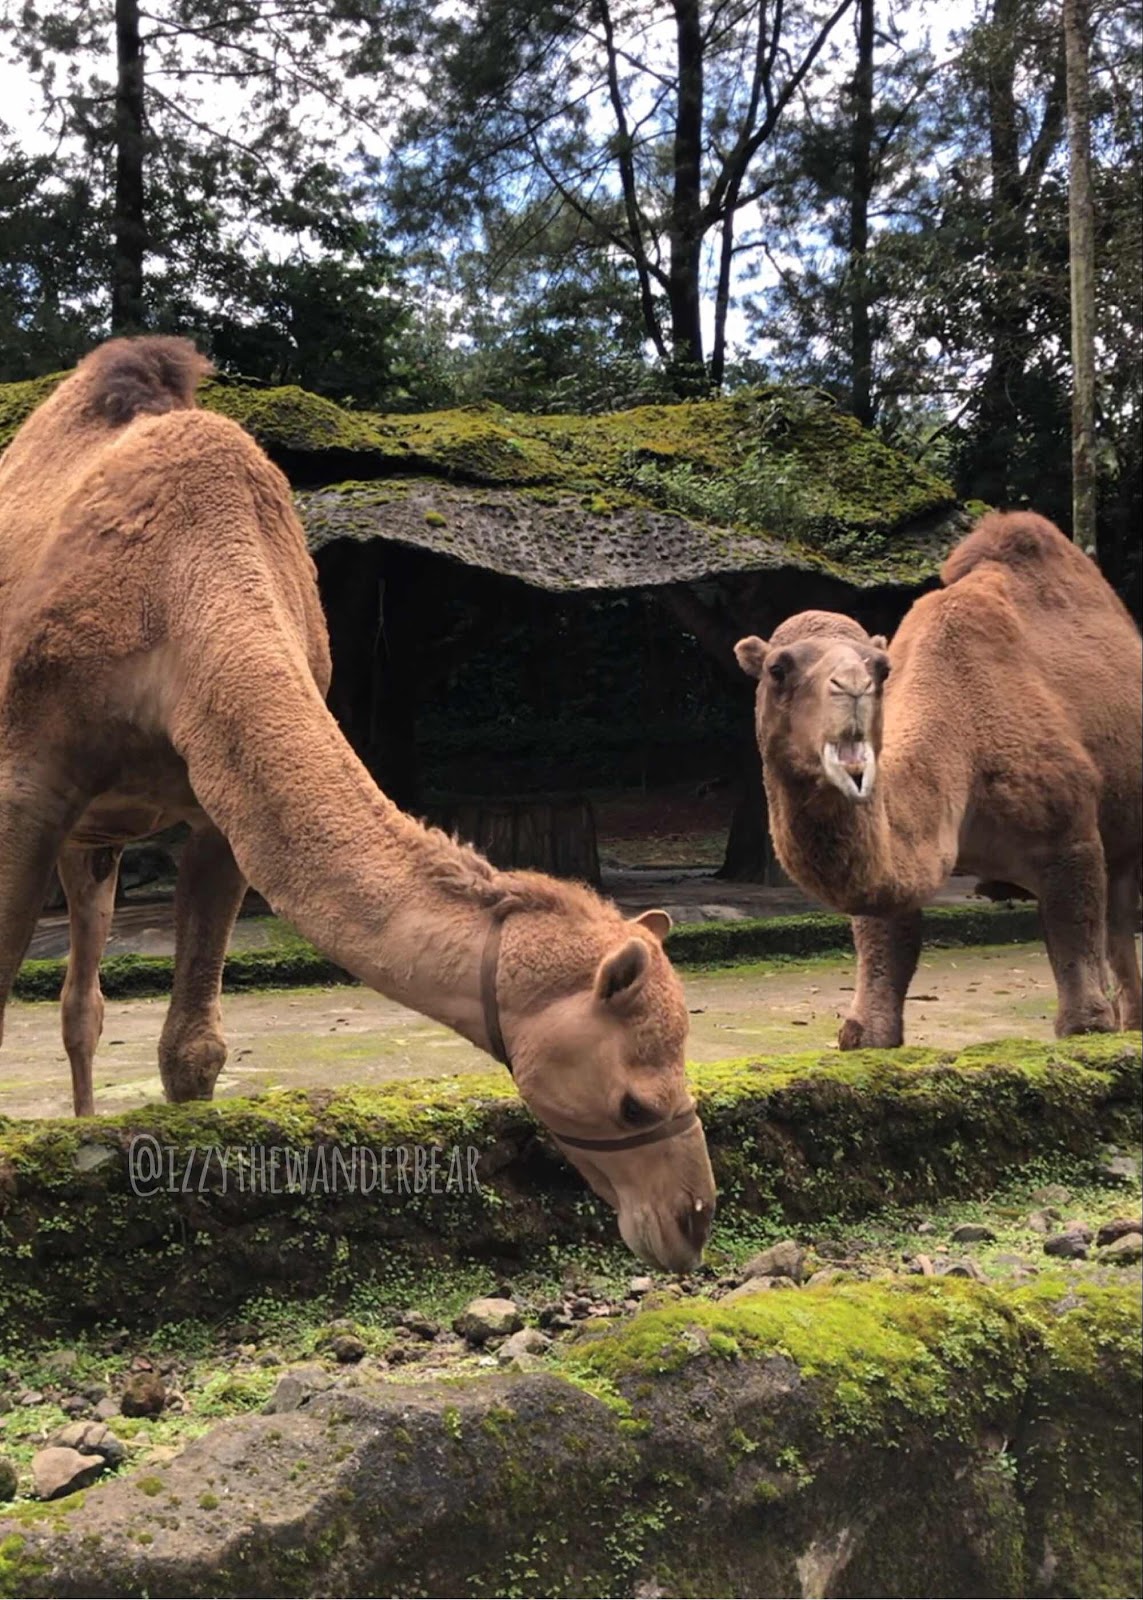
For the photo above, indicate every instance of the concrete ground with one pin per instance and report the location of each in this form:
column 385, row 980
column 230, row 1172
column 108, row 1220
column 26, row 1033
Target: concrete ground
column 332, row 1036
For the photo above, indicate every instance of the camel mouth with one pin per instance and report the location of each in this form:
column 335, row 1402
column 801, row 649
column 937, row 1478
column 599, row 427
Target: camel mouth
column 851, row 766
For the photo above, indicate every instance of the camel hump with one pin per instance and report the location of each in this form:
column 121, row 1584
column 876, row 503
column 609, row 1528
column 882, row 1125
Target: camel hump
column 147, row 376
column 1021, row 540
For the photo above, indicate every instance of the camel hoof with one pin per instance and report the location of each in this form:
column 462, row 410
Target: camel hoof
column 851, row 1035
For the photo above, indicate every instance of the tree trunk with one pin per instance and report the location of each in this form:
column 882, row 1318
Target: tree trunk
column 1081, row 252
column 749, row 854
column 998, row 405
column 686, row 205
column 542, row 835
column 861, row 334
column 129, row 225
column 393, row 758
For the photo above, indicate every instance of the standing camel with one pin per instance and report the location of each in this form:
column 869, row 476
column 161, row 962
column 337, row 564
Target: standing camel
column 1000, row 731
column 164, row 658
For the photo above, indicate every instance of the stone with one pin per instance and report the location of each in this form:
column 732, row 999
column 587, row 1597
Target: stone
column 105, row 1409
column 1124, row 1251
column 30, row 1397
column 9, row 1479
column 1080, row 1228
column 347, row 1347
column 1067, row 1246
column 57, row 1471
column 144, row 1396
column 758, row 1286
column 1051, row 1194
column 1115, row 1229
column 528, row 1342
column 784, row 1260
column 922, row 1264
column 972, row 1233
column 824, row 1275
column 1043, row 1221
column 1014, row 1263
column 416, row 1322
column 60, row 1363
column 401, row 1351
column 74, row 1405
column 91, row 1439
column 960, row 1269
column 94, row 1391
column 926, row 1227
column 271, row 1358
column 580, row 1307
column 296, row 1387
column 489, row 1319
column 640, row 1286
column 1124, row 1168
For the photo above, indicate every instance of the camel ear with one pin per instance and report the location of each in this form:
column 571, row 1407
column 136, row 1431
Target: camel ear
column 751, row 655
column 621, row 974
column 879, row 642
column 657, row 922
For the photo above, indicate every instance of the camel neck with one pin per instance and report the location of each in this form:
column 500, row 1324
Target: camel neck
column 330, row 852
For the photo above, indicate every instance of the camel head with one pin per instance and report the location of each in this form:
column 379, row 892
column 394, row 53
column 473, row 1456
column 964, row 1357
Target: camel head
column 602, row 1065
column 819, row 703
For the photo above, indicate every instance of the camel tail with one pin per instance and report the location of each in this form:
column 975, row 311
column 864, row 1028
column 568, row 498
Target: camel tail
column 147, row 376
column 1017, row 539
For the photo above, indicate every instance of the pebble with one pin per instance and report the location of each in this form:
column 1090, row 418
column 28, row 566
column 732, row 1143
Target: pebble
column 1068, row 1246
column 347, row 1348
column 416, row 1322
column 1051, row 1194
column 921, row 1264
column 1043, row 1221
column 491, row 1318
column 527, row 1342
column 30, row 1397
column 57, row 1471
column 1125, row 1168
column 1110, row 1231
column 295, row 1387
column 105, row 1409
column 91, row 1439
column 972, row 1233
column 9, row 1479
column 960, row 1269
column 60, row 1363
column 144, row 1396
column 1080, row 1228
column 1124, row 1251
column 640, row 1286
column 784, row 1260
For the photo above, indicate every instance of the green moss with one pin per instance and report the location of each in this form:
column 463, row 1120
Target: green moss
column 434, row 519
column 150, row 1486
column 208, row 1502
column 293, row 963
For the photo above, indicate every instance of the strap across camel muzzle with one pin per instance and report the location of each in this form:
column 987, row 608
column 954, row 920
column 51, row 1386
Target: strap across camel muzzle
column 489, row 967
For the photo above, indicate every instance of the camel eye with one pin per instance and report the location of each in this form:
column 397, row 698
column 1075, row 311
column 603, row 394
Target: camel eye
column 779, row 668
column 635, row 1114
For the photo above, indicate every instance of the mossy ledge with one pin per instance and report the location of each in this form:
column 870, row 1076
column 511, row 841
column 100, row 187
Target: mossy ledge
column 693, row 944
column 137, row 1216
column 934, row 1438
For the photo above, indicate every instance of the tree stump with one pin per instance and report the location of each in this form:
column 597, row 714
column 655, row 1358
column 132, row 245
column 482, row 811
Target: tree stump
column 544, row 833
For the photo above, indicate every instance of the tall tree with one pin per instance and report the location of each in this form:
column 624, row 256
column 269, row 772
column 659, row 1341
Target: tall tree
column 1081, row 257
column 650, row 124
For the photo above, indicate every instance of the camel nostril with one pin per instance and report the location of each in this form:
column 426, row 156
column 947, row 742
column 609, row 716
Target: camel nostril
column 694, row 1218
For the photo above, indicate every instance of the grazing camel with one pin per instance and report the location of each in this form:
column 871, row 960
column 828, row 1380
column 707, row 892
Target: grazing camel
column 163, row 658
column 1000, row 730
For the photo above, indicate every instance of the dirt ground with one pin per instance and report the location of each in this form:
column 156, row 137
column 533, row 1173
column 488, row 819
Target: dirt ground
column 331, row 1036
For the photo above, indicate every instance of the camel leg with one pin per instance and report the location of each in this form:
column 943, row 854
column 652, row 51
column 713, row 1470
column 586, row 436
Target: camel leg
column 888, row 949
column 1072, row 892
column 208, row 897
column 32, row 829
column 88, row 878
column 1122, row 921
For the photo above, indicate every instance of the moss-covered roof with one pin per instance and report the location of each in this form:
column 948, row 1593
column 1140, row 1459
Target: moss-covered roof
column 659, row 494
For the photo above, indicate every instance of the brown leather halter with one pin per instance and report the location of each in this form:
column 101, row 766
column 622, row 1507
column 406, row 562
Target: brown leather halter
column 489, row 967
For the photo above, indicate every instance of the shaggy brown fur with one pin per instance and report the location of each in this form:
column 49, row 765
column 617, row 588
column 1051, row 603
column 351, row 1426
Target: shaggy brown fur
column 163, row 656
column 1006, row 739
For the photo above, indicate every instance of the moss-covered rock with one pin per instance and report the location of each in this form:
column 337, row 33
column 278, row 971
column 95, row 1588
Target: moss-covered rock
column 294, row 962
column 882, row 1439
column 158, row 1211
